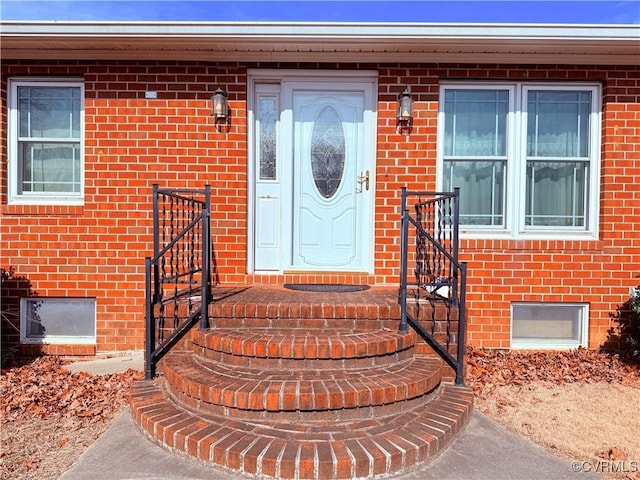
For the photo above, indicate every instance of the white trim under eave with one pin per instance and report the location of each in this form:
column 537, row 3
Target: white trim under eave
column 273, row 30
column 322, row 42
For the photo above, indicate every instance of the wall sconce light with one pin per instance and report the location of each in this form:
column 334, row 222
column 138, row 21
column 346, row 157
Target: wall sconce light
column 404, row 114
column 220, row 105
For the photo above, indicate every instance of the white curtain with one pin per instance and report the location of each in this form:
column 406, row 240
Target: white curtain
column 475, row 126
column 558, row 132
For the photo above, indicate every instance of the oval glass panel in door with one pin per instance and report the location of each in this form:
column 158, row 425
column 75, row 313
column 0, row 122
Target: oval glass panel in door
column 327, row 152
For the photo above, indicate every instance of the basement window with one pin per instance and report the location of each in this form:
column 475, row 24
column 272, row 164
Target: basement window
column 58, row 320
column 549, row 325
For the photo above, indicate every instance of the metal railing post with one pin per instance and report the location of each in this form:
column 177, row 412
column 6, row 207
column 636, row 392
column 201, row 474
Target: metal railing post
column 149, row 361
column 156, row 221
column 404, row 240
column 455, row 239
column 456, row 221
column 462, row 321
column 206, row 260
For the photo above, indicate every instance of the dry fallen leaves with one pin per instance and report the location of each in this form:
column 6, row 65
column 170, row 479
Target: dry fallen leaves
column 43, row 388
column 486, row 369
column 50, row 415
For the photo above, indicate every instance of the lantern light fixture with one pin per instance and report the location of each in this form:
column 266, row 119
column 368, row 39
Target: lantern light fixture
column 404, row 114
column 220, row 105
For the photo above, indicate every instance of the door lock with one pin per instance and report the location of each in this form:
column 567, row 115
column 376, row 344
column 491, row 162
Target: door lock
column 363, row 179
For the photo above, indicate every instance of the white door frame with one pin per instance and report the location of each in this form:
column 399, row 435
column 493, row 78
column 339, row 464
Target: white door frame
column 365, row 80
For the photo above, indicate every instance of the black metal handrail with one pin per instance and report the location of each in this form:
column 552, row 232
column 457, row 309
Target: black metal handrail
column 178, row 276
column 437, row 285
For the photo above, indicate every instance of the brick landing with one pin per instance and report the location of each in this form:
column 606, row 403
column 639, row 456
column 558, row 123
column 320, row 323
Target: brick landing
column 302, row 385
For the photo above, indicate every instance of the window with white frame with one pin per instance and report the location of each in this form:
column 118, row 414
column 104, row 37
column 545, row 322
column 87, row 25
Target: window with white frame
column 45, row 142
column 525, row 156
column 549, row 325
column 58, row 320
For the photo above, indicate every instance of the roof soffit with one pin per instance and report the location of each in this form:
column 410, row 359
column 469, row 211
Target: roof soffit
column 321, row 42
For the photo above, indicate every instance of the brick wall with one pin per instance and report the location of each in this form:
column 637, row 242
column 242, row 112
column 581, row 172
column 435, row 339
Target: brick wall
column 97, row 250
column 598, row 273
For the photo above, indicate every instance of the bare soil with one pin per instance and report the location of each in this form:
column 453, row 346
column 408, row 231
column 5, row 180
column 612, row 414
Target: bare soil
column 580, row 404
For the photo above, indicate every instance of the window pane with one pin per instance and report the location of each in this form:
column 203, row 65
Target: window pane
column 267, row 115
column 51, row 317
column 481, row 190
column 327, row 152
column 558, row 124
column 475, row 123
column 548, row 325
column 49, row 167
column 49, row 112
column 556, row 194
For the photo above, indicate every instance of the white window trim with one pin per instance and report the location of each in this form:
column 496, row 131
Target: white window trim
column 12, row 148
column 54, row 339
column 515, row 190
column 541, row 343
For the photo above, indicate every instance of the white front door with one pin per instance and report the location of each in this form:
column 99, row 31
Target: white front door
column 313, row 208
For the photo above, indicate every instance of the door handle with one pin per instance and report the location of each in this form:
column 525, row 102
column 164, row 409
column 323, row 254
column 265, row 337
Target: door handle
column 363, row 179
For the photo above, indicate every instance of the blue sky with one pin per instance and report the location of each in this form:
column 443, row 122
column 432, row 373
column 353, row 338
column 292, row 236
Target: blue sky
column 500, row 11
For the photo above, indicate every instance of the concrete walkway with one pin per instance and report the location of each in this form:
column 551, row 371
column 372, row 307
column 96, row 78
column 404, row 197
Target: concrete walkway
column 484, row 451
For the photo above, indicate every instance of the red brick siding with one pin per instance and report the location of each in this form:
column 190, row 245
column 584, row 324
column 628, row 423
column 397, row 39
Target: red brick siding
column 131, row 142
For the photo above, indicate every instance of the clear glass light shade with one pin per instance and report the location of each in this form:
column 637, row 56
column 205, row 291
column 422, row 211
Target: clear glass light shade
column 219, row 108
column 405, row 106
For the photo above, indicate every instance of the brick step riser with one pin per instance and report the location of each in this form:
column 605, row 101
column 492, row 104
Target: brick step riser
column 278, row 390
column 352, row 325
column 325, row 310
column 329, row 319
column 301, row 364
column 371, row 448
column 427, row 311
column 304, row 311
column 441, row 338
column 309, row 417
column 309, row 344
column 321, row 319
column 345, row 324
column 183, row 309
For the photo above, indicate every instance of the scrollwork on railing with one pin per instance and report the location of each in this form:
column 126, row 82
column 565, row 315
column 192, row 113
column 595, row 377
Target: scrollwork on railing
column 432, row 297
column 179, row 273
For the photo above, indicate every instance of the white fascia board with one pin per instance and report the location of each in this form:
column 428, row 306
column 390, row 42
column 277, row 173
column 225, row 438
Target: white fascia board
column 322, row 42
column 325, row 30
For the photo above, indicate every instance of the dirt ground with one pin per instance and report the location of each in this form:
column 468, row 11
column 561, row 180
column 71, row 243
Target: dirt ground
column 584, row 421
column 580, row 404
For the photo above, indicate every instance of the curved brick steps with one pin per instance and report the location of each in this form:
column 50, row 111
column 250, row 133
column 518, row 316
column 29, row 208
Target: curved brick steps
column 279, row 303
column 290, row 385
column 205, row 384
column 302, row 344
column 306, row 450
